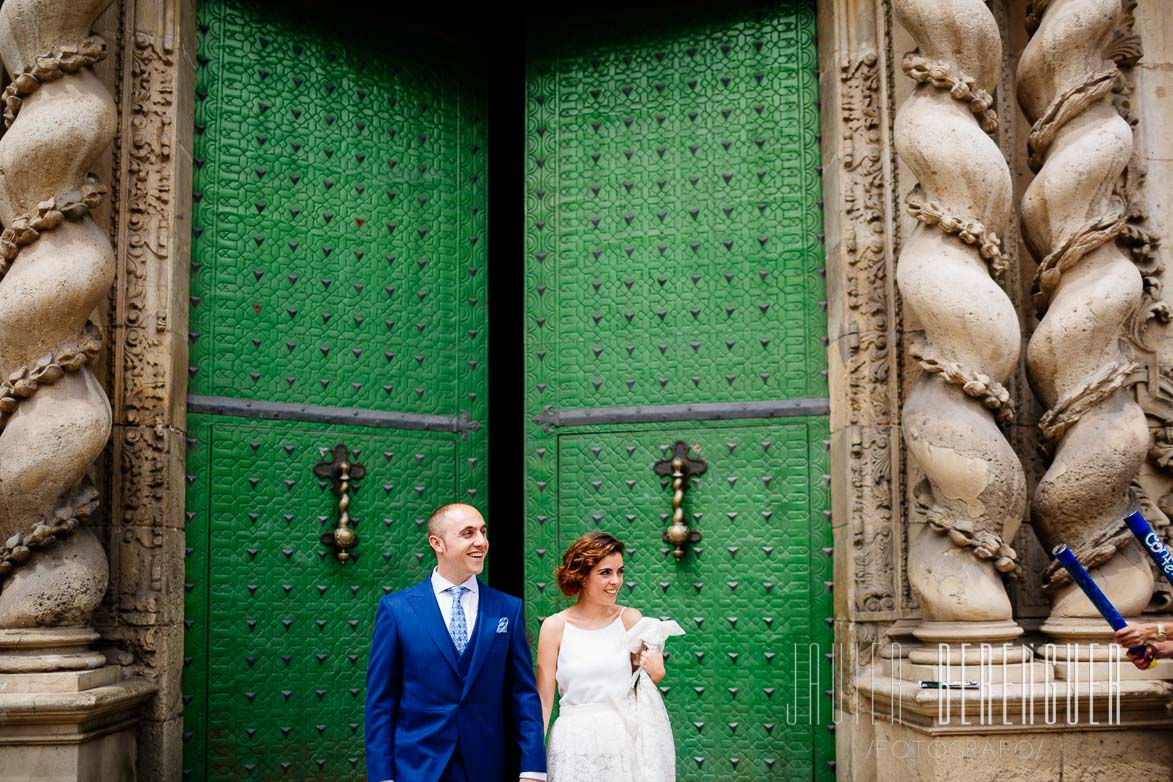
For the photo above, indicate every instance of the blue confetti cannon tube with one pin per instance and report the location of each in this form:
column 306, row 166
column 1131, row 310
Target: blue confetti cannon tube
column 1152, row 543
column 1080, row 576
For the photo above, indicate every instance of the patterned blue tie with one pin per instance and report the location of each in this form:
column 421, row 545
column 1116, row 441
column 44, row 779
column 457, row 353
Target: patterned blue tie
column 459, row 628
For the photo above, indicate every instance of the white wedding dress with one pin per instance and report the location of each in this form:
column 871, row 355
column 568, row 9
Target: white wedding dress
column 607, row 730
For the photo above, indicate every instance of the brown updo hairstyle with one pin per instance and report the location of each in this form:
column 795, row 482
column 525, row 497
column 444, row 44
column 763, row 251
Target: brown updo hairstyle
column 580, row 559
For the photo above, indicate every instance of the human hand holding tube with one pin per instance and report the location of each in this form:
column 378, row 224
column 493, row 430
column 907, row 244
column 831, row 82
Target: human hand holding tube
column 1135, row 634
column 1152, row 635
column 1142, row 655
column 1154, row 544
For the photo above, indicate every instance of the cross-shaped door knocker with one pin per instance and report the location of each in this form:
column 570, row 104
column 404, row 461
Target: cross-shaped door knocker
column 680, row 468
column 340, row 471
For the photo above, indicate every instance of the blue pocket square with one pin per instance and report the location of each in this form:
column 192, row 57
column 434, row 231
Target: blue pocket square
column 503, row 625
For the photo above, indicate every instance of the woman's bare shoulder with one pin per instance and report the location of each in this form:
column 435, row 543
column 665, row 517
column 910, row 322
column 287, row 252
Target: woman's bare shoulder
column 552, row 626
column 630, row 617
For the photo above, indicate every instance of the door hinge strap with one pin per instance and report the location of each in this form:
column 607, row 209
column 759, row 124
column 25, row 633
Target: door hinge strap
column 551, row 417
column 319, row 414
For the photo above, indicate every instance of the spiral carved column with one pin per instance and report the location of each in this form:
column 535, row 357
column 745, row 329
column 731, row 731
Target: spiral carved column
column 56, row 265
column 1086, row 290
column 974, row 491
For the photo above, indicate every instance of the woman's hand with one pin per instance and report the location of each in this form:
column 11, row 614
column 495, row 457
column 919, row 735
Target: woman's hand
column 652, row 661
column 1135, row 634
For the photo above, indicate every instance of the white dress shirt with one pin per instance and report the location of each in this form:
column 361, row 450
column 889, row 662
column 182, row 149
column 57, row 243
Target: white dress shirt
column 469, row 601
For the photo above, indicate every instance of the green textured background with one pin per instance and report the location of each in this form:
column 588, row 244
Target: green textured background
column 673, row 240
column 673, row 180
column 339, row 259
column 672, row 255
column 339, row 216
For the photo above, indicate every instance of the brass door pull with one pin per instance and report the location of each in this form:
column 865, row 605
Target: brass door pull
column 680, row 467
column 341, row 471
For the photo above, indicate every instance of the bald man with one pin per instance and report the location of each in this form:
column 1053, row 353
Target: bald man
column 450, row 678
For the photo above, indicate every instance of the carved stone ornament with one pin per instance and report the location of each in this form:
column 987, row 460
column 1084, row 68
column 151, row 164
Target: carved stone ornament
column 1075, row 222
column 873, row 541
column 974, row 491
column 862, row 153
column 58, row 265
column 69, row 58
column 869, row 363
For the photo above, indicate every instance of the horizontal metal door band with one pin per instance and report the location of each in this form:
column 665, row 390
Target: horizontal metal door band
column 318, row 414
column 713, row 411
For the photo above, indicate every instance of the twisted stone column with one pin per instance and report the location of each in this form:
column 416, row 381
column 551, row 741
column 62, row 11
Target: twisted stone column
column 974, row 492
column 56, row 265
column 1085, row 291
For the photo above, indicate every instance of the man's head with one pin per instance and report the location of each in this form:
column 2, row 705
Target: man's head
column 459, row 537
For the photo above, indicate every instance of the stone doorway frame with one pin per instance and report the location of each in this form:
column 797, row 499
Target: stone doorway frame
column 152, row 75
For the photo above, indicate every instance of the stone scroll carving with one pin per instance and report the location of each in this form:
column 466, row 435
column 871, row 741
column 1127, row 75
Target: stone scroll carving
column 974, row 492
column 56, row 266
column 1077, row 223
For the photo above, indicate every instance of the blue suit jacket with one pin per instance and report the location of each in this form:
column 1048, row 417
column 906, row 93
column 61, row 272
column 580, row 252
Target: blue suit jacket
column 419, row 708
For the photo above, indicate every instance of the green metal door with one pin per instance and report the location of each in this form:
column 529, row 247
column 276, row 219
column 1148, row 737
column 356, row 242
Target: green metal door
column 673, row 292
column 338, row 288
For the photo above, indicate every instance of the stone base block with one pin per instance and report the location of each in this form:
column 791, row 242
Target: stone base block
column 973, row 654
column 34, row 650
column 1016, row 673
column 70, row 726
column 1102, row 672
column 1071, row 651
column 106, row 758
column 903, row 753
column 59, row 681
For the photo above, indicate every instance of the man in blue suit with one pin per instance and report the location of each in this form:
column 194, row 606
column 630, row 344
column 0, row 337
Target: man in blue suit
column 450, row 673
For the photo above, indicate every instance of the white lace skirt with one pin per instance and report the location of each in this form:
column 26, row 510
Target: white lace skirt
column 629, row 740
column 590, row 743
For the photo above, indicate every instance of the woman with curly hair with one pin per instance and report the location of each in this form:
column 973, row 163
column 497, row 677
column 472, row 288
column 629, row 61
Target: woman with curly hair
column 598, row 655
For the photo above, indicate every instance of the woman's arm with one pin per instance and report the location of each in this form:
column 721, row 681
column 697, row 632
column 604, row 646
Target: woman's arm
column 651, row 660
column 549, row 640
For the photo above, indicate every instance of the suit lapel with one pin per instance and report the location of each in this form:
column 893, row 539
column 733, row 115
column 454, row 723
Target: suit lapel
column 488, row 616
column 423, row 602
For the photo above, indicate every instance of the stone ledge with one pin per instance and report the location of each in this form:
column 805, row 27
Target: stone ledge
column 71, row 716
column 59, row 681
column 1142, row 704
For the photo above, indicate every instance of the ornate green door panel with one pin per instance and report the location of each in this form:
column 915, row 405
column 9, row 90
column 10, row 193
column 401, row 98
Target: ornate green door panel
column 673, row 292
column 286, row 626
column 339, row 219
column 750, row 596
column 338, row 289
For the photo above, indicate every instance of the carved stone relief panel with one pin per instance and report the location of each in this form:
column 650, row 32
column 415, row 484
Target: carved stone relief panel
column 151, row 197
column 863, row 328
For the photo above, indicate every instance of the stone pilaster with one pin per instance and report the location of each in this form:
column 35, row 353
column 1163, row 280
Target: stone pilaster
column 152, row 232
column 888, row 727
